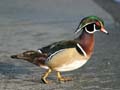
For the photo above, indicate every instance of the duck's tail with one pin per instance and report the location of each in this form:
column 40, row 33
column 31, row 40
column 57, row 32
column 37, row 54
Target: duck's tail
column 32, row 56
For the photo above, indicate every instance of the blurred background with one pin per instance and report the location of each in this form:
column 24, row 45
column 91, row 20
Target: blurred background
column 31, row 24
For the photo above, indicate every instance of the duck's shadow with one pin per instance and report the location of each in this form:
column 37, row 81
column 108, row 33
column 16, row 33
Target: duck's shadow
column 12, row 71
column 9, row 68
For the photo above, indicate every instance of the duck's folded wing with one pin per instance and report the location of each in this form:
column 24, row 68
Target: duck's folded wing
column 52, row 48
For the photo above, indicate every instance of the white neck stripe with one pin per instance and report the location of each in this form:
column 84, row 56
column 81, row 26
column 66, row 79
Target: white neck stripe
column 81, row 49
column 89, row 31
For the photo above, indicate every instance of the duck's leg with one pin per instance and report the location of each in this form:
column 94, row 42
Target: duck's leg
column 62, row 79
column 45, row 75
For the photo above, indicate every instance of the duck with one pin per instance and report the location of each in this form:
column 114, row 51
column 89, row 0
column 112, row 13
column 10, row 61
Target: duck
column 66, row 55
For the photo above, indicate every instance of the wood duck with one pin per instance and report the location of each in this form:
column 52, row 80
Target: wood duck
column 66, row 55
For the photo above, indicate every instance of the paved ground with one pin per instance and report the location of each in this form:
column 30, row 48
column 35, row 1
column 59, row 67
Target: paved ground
column 27, row 24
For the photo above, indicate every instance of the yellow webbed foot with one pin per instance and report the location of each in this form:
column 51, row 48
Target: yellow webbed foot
column 44, row 77
column 63, row 79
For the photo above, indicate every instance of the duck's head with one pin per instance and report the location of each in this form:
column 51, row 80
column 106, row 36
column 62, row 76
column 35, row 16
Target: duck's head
column 91, row 24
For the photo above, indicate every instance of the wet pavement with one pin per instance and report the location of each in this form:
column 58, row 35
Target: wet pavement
column 29, row 25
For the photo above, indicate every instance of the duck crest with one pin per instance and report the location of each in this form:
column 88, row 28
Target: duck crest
column 86, row 41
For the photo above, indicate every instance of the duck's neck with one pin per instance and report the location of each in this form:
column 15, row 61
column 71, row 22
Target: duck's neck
column 86, row 41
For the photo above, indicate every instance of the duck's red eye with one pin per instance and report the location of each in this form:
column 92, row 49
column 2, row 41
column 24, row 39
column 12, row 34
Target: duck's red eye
column 98, row 26
column 97, row 23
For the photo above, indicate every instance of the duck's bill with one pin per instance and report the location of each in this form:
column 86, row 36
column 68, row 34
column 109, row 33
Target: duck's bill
column 104, row 31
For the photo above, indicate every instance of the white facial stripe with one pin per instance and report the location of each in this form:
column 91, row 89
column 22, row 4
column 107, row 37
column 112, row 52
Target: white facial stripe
column 80, row 28
column 95, row 29
column 81, row 49
column 91, row 31
column 77, row 31
column 86, row 25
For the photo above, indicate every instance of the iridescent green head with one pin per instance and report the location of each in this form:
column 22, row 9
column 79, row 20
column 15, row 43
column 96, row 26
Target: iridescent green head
column 91, row 24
